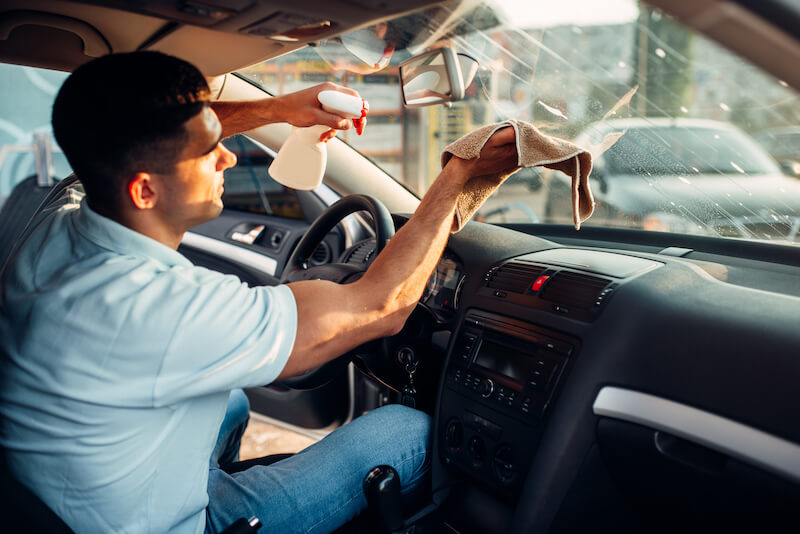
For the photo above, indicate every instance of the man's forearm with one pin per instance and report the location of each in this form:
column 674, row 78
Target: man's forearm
column 242, row 116
column 301, row 108
column 413, row 252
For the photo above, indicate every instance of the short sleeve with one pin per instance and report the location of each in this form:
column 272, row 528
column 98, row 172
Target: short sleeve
column 226, row 334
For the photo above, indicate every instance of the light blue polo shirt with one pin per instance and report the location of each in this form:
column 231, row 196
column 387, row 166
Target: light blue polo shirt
column 121, row 355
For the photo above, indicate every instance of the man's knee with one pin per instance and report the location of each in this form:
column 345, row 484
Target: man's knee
column 403, row 420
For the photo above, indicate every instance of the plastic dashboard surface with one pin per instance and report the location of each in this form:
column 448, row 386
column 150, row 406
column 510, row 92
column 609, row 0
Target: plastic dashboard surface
column 672, row 332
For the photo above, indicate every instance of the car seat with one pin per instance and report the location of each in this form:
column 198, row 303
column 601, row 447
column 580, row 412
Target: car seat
column 19, row 207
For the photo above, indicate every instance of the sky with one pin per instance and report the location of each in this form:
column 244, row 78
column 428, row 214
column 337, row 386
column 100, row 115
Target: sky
column 541, row 13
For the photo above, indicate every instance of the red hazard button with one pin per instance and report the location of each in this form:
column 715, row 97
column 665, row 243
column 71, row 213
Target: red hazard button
column 537, row 285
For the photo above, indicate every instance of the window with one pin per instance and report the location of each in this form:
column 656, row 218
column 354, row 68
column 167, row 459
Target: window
column 248, row 186
column 25, row 110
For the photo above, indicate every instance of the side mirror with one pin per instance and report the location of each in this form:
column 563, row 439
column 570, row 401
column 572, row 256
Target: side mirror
column 436, row 77
column 790, row 167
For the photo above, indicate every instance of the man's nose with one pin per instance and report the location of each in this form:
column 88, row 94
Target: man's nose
column 226, row 160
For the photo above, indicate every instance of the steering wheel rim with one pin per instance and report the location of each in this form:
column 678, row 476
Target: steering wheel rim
column 297, row 268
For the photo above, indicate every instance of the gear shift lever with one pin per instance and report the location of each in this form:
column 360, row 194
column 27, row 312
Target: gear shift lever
column 382, row 490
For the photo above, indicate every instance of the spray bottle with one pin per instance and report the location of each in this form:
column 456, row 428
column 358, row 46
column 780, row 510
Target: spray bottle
column 300, row 163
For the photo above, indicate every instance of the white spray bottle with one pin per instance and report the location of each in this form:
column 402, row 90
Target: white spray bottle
column 300, row 163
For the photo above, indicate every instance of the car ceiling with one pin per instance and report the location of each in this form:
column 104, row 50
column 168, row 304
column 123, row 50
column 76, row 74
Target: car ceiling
column 218, row 36
column 221, row 36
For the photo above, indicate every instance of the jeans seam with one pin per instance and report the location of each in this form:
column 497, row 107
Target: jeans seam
column 351, row 499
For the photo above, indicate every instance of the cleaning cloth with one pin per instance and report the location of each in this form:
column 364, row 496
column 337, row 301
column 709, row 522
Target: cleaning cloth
column 533, row 148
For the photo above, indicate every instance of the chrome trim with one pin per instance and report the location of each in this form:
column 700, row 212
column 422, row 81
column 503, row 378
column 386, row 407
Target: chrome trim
column 240, row 255
column 739, row 441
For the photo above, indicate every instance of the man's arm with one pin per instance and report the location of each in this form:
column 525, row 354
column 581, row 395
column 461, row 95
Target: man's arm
column 299, row 109
column 333, row 318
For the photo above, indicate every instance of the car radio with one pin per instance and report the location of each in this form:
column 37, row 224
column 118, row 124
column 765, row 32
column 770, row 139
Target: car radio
column 501, row 376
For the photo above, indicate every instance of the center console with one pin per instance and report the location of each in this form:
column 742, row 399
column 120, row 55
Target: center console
column 500, row 378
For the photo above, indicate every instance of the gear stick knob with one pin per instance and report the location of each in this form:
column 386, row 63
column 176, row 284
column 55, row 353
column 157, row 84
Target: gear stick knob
column 382, row 490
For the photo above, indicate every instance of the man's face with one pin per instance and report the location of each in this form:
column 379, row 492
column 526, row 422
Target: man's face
column 192, row 194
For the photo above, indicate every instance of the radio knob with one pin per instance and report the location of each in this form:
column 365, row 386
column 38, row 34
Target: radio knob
column 487, row 388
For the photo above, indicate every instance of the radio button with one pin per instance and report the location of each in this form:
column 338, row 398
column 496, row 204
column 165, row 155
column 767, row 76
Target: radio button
column 526, row 404
column 486, row 388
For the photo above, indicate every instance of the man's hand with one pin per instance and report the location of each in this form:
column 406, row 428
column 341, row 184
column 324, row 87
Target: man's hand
column 302, row 108
column 498, row 157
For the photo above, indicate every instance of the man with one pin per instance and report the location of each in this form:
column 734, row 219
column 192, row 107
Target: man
column 121, row 355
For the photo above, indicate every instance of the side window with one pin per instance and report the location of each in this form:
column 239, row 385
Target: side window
column 249, row 187
column 25, row 109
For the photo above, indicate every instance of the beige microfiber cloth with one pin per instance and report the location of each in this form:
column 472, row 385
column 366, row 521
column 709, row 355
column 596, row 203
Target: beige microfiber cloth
column 533, row 148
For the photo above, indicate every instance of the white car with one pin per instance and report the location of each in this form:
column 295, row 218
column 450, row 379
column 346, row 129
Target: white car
column 691, row 176
column 607, row 379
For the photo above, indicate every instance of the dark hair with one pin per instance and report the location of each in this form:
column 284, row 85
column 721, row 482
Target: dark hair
column 122, row 114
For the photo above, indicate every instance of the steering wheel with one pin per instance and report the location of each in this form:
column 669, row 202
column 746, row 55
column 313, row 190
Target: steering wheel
column 298, row 268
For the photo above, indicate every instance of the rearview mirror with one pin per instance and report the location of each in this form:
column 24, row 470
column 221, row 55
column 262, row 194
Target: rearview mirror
column 436, row 77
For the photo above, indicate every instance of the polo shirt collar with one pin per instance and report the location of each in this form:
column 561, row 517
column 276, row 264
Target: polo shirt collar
column 113, row 236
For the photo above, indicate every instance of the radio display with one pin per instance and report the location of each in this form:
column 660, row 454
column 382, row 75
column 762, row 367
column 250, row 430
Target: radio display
column 503, row 360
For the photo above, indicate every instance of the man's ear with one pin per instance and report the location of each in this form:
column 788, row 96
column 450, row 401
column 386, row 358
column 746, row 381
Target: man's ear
column 142, row 191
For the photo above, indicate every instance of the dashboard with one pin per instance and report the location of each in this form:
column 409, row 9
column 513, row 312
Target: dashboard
column 634, row 384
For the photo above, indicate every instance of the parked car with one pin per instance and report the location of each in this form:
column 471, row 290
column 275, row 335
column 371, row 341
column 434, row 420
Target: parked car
column 607, row 379
column 782, row 144
column 685, row 175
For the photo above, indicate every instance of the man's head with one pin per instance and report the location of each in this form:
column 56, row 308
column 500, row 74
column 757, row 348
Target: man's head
column 126, row 116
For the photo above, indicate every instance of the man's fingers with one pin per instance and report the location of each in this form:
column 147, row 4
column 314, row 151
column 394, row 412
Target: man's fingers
column 502, row 137
column 332, row 120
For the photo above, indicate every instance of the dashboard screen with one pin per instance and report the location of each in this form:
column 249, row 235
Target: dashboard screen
column 503, row 360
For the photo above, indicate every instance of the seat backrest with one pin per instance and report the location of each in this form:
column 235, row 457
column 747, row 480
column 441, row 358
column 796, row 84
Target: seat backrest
column 17, row 210
column 25, row 201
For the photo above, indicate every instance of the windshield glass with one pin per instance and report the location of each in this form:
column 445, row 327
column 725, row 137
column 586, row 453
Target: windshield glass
column 690, row 150
column 703, row 132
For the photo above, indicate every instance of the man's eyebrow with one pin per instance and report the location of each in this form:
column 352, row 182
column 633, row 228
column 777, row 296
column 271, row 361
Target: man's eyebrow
column 219, row 138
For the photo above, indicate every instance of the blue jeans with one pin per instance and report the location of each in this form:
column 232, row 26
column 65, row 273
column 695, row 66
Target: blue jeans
column 320, row 488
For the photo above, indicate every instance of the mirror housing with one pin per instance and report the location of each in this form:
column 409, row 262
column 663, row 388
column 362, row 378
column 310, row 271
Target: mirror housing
column 790, row 167
column 436, row 77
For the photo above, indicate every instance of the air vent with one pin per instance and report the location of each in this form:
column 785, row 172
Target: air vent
column 361, row 253
column 322, row 254
column 573, row 289
column 514, row 276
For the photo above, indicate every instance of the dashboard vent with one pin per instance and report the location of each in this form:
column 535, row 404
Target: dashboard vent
column 514, row 276
column 322, row 254
column 361, row 253
column 573, row 289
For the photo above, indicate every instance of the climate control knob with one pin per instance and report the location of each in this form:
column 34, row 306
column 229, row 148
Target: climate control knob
column 477, row 451
column 486, row 388
column 454, row 434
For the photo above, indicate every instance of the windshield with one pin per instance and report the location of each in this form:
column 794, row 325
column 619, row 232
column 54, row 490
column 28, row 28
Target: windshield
column 701, row 149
